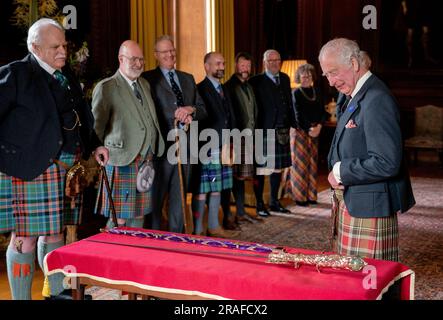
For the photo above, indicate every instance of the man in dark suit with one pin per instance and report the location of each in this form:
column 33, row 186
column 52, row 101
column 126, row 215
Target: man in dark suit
column 177, row 101
column 213, row 177
column 273, row 95
column 371, row 184
column 44, row 122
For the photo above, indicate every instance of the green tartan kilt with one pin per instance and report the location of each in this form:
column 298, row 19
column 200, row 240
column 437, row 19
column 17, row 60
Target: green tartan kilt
column 38, row 207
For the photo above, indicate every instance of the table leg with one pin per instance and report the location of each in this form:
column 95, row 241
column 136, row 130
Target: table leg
column 78, row 290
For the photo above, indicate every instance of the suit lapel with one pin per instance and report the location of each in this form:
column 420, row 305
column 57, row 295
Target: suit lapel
column 127, row 94
column 353, row 106
column 163, row 82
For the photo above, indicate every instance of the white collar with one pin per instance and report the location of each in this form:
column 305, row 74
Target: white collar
column 44, row 65
column 129, row 81
column 360, row 83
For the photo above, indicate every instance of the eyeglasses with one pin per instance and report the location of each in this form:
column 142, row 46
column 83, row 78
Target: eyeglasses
column 273, row 60
column 133, row 60
column 337, row 71
column 172, row 51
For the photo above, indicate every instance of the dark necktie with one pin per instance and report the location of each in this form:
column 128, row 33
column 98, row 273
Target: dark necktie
column 244, row 87
column 175, row 88
column 277, row 80
column 220, row 91
column 137, row 92
column 345, row 104
column 62, row 80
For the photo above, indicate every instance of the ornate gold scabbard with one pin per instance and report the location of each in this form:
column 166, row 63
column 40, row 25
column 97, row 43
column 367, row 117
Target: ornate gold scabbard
column 352, row 263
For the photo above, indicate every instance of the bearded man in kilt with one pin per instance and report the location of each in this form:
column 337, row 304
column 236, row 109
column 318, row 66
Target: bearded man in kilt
column 212, row 178
column 44, row 122
column 126, row 120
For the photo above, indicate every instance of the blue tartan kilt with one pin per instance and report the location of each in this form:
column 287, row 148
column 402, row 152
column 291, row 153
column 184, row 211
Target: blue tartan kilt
column 280, row 158
column 128, row 202
column 38, row 207
column 214, row 177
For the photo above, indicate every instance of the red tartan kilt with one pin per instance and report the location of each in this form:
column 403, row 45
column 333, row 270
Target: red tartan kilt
column 375, row 238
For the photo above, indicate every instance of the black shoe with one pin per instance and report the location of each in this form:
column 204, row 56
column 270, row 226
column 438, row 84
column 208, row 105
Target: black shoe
column 279, row 208
column 302, row 203
column 312, row 202
column 262, row 211
column 67, row 295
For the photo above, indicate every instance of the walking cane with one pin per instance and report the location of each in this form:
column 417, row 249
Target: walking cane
column 111, row 201
column 188, row 228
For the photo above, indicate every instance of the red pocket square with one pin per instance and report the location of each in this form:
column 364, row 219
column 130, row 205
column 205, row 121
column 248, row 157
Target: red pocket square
column 351, row 124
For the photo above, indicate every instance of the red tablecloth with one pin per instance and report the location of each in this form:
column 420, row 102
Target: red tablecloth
column 232, row 276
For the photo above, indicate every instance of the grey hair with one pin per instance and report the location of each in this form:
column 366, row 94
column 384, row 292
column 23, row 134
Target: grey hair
column 305, row 68
column 164, row 37
column 344, row 49
column 268, row 52
column 365, row 60
column 35, row 30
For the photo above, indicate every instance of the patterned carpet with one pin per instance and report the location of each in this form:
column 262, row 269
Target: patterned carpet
column 421, row 234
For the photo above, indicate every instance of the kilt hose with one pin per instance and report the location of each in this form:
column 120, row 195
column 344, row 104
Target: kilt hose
column 214, row 177
column 277, row 160
column 301, row 179
column 128, row 202
column 375, row 238
column 38, row 207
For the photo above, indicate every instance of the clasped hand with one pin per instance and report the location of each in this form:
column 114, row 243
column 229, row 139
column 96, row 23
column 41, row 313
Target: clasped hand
column 184, row 114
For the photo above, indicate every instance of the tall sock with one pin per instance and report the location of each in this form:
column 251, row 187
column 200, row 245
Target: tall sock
column 275, row 185
column 55, row 280
column 259, row 185
column 226, row 204
column 198, row 211
column 214, row 204
column 135, row 222
column 20, row 268
column 110, row 224
column 239, row 195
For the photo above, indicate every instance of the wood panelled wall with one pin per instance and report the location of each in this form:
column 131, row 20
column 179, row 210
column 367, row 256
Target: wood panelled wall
column 110, row 26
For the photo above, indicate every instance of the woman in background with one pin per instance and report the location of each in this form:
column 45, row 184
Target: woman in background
column 301, row 181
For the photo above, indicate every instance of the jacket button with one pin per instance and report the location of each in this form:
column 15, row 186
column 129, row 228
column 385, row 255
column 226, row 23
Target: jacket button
column 60, row 142
column 2, row 147
column 14, row 152
column 51, row 160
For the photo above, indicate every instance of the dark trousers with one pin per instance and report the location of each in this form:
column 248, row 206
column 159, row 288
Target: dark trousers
column 259, row 185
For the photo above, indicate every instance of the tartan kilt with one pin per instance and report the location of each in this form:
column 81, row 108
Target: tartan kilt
column 243, row 170
column 280, row 158
column 214, row 177
column 38, row 207
column 128, row 202
column 375, row 238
